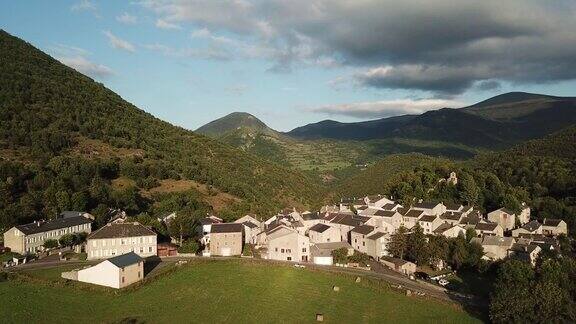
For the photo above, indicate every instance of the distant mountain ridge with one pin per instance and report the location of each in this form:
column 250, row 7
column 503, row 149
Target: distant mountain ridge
column 497, row 122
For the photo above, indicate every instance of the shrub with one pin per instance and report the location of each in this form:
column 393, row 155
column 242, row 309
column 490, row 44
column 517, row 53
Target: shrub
column 189, row 247
column 50, row 244
column 247, row 250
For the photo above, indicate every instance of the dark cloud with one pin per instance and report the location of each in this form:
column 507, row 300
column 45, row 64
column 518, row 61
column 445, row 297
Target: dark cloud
column 442, row 46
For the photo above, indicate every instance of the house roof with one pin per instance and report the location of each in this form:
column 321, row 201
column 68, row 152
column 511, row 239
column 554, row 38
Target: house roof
column 532, row 226
column 396, row 261
column 249, row 224
column 389, row 206
column 426, row 205
column 40, row 227
column 497, row 240
column 348, row 220
column 451, row 206
column 451, row 215
column 414, row 213
column 113, row 230
column 125, row 260
column 226, row 228
column 428, row 218
column 507, row 211
column 385, row 213
column 325, row 249
column 486, row 226
column 320, row 228
column 376, row 236
column 209, row 220
column 69, row 213
column 552, row 222
column 442, row 228
column 526, row 248
column 310, row 216
column 363, row 229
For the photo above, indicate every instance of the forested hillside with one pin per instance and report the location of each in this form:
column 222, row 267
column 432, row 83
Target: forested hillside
column 66, row 141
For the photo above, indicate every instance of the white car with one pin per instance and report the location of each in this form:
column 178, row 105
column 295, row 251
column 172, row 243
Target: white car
column 443, row 282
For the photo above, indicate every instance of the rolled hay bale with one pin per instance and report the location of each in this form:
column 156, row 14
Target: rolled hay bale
column 319, row 317
column 336, row 288
column 358, row 279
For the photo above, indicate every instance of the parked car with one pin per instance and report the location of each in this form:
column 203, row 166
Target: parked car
column 443, row 282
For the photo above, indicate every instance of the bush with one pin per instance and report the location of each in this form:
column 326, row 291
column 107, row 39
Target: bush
column 340, row 255
column 3, row 276
column 360, row 258
column 189, row 247
column 50, row 244
column 247, row 250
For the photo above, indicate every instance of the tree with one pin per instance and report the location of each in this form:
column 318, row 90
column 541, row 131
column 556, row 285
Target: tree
column 468, row 189
column 398, row 243
column 189, row 246
column 416, row 247
column 475, row 254
column 458, row 253
column 50, row 244
column 513, row 298
column 470, row 234
column 340, row 256
column 438, row 248
column 360, row 258
column 66, row 240
column 182, row 226
column 79, row 201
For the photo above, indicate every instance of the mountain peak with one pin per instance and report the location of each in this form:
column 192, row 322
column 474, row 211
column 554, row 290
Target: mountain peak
column 232, row 122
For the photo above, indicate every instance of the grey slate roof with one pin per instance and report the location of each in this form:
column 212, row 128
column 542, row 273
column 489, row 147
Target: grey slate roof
column 115, row 230
column 226, row 228
column 376, row 236
column 414, row 213
column 426, row 205
column 551, row 222
column 486, row 226
column 320, row 228
column 40, row 227
column 451, row 215
column 125, row 260
column 385, row 213
column 310, row 216
column 531, row 226
column 363, row 229
column 249, row 224
column 427, row 218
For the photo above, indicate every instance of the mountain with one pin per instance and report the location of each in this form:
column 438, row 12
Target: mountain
column 496, row 123
column 66, row 142
column 234, row 122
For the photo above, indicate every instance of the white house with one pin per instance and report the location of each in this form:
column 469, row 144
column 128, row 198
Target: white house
column 429, row 223
column 552, row 226
column 430, row 208
column 324, row 233
column 117, row 272
column 321, row 253
column 287, row 244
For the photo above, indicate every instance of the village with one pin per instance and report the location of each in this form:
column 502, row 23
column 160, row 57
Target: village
column 356, row 232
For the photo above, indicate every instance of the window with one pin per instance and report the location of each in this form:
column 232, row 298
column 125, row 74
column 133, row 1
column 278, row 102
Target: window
column 275, row 249
column 363, row 243
column 123, row 279
column 282, row 250
column 288, row 251
column 150, row 249
column 138, row 274
column 289, row 258
column 303, row 249
column 141, row 249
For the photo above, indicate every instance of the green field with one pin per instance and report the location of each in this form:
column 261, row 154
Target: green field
column 221, row 292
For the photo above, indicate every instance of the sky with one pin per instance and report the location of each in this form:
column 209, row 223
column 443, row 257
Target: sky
column 296, row 62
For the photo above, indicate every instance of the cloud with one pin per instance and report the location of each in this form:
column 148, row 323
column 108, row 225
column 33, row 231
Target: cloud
column 385, row 108
column 127, row 19
column 162, row 24
column 207, row 53
column 454, row 45
column 85, row 66
column 84, row 5
column 119, row 43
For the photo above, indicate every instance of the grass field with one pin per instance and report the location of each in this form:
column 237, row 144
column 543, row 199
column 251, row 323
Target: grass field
column 222, row 292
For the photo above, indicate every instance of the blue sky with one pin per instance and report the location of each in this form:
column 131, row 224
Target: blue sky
column 295, row 62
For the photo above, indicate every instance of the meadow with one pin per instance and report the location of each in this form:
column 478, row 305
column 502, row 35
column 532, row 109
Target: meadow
column 220, row 292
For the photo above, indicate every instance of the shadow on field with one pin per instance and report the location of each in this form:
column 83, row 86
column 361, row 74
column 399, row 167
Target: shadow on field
column 150, row 264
